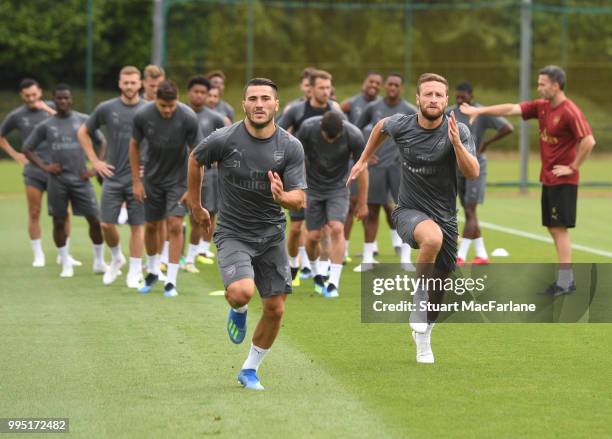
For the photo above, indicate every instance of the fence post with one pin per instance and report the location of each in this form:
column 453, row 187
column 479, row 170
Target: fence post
column 89, row 59
column 526, row 25
column 407, row 42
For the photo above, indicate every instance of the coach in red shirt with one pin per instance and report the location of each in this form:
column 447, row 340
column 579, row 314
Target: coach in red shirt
column 566, row 140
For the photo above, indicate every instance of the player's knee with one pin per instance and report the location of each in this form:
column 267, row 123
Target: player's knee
column 274, row 310
column 59, row 223
column 336, row 228
column 432, row 241
column 314, row 235
column 237, row 294
column 107, row 227
column 175, row 227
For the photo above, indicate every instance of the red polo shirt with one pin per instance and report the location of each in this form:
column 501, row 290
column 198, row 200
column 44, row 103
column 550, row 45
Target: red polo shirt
column 561, row 128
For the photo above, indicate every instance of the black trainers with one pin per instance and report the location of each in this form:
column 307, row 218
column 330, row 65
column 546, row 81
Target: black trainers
column 554, row 290
column 149, row 281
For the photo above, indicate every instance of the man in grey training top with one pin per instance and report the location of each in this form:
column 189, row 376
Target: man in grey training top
column 210, row 120
column 384, row 171
column 261, row 168
column 329, row 143
column 471, row 192
column 353, row 108
column 117, row 115
column 68, row 176
column 23, row 119
column 433, row 146
column 170, row 129
column 217, row 80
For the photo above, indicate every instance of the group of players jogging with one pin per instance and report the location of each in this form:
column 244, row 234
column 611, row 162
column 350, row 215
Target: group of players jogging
column 162, row 160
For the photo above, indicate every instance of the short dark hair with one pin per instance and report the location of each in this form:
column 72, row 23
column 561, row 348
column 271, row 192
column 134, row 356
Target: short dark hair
column 167, row 90
column 62, row 86
column 397, row 75
column 260, row 81
column 331, row 124
column 373, row 73
column 198, row 80
column 465, row 86
column 431, row 77
column 27, row 83
column 555, row 73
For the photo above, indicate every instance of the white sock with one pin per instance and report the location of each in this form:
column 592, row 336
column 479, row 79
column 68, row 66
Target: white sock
column 165, row 252
column 63, row 254
column 368, row 252
column 37, row 247
column 314, row 266
column 135, row 265
column 98, row 251
column 256, row 356
column 334, row 274
column 242, row 309
column 171, row 273
column 565, row 277
column 192, row 251
column 396, row 240
column 204, row 246
column 115, row 253
column 346, row 249
column 294, row 261
column 430, row 327
column 375, row 246
column 324, row 267
column 464, row 246
column 304, row 261
column 481, row 251
column 68, row 243
column 153, row 264
column 405, row 255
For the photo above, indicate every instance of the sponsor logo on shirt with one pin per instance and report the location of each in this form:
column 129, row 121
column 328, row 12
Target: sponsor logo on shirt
column 545, row 137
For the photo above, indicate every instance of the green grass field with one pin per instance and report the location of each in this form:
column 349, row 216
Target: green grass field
column 122, row 365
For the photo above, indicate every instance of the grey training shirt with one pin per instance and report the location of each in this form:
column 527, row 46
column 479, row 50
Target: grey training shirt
column 429, row 165
column 247, row 210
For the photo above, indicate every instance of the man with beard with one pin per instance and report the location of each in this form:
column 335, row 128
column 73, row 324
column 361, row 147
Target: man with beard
column 199, row 242
column 329, row 143
column 304, row 87
column 353, row 107
column 262, row 170
column 291, row 120
column 432, row 147
column 170, row 129
column 68, row 177
column 117, row 115
column 471, row 192
column 384, row 171
column 566, row 140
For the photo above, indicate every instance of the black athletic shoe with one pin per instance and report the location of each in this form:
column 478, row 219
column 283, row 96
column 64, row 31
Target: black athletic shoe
column 149, row 281
column 294, row 272
column 554, row 290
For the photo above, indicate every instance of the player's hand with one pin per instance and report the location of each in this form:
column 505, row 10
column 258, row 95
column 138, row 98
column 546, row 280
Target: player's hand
column 103, row 168
column 361, row 211
column 138, row 191
column 141, row 171
column 53, row 168
column 87, row 174
column 453, row 131
column 469, row 110
column 562, row 170
column 201, row 217
column 276, row 186
column 356, row 170
column 373, row 160
column 21, row 159
column 42, row 105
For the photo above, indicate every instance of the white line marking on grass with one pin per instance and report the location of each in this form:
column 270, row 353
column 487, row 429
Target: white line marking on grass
column 542, row 238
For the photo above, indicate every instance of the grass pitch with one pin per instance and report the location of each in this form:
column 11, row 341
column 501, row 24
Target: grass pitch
column 122, row 365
